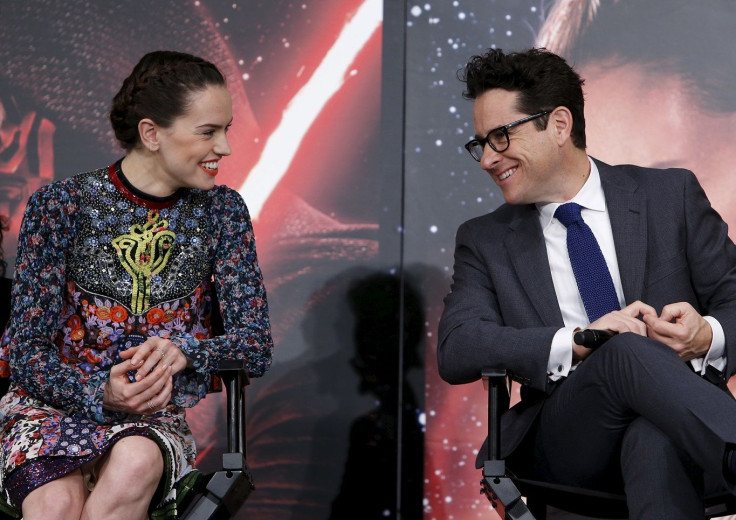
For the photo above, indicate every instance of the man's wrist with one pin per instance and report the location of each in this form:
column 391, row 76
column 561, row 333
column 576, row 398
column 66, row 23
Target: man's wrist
column 579, row 352
column 703, row 338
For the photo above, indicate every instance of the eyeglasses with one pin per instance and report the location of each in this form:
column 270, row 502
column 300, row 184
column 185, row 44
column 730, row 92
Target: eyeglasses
column 498, row 138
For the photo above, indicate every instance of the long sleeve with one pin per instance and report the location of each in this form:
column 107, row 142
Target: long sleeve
column 46, row 238
column 480, row 325
column 243, row 305
column 712, row 262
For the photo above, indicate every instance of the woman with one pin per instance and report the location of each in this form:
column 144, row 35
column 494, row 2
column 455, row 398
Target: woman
column 110, row 336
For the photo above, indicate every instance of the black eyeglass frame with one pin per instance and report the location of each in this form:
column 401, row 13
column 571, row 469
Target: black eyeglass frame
column 505, row 129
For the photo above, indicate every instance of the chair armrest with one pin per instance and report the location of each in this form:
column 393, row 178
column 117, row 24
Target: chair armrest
column 493, row 373
column 234, row 377
column 226, row 490
column 494, row 379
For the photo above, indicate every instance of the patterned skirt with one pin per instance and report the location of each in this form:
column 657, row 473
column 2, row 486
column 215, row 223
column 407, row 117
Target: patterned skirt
column 40, row 443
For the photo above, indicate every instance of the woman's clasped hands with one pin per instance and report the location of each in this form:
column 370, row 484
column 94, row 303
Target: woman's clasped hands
column 143, row 381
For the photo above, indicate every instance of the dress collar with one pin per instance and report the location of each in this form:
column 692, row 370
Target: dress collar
column 135, row 195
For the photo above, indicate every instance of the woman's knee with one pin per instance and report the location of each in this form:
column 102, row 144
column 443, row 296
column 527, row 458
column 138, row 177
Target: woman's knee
column 137, row 460
column 61, row 499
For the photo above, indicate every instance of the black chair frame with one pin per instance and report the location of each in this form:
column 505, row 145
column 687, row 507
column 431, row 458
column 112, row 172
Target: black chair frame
column 228, row 488
column 505, row 491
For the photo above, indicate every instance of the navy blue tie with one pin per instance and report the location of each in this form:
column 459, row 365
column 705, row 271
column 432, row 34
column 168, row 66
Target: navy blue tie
column 591, row 272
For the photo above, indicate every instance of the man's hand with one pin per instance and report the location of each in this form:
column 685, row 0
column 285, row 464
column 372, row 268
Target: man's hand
column 625, row 320
column 681, row 328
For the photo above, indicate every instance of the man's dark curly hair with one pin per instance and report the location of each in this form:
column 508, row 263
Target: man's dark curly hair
column 543, row 80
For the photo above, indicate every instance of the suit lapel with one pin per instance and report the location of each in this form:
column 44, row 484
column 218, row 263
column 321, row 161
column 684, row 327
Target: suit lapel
column 627, row 212
column 526, row 248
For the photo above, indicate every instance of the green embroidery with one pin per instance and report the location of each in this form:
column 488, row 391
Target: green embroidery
column 144, row 252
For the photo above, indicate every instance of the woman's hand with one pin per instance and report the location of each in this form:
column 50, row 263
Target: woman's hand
column 154, row 352
column 142, row 397
column 155, row 361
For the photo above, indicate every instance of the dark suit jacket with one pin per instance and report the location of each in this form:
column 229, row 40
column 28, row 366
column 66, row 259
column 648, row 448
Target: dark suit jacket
column 502, row 310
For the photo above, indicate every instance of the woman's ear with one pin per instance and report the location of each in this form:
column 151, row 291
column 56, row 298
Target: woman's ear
column 148, row 132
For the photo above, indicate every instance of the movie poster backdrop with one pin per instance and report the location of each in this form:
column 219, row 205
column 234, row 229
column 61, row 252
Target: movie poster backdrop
column 347, row 147
column 659, row 92
column 305, row 77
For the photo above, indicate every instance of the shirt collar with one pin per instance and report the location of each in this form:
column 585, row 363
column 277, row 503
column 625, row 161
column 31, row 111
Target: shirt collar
column 589, row 197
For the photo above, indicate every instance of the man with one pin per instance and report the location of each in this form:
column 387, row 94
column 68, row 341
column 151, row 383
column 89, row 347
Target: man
column 641, row 411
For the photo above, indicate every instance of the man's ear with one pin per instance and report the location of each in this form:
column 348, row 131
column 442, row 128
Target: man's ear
column 560, row 123
column 148, row 132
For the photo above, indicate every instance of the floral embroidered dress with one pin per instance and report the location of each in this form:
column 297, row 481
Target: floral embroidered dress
column 101, row 267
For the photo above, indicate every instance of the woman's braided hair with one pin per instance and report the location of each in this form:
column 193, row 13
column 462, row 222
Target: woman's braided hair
column 159, row 88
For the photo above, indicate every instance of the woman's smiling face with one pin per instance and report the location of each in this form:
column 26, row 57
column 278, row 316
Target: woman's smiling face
column 191, row 148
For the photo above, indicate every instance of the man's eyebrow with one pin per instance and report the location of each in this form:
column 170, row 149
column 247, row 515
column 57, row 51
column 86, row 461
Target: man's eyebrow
column 479, row 137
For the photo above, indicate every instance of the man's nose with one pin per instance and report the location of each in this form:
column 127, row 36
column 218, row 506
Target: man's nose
column 489, row 158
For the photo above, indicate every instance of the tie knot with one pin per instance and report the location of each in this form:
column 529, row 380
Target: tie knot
column 568, row 213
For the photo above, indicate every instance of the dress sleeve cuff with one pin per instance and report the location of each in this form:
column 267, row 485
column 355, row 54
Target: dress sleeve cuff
column 191, row 348
column 191, row 385
column 95, row 409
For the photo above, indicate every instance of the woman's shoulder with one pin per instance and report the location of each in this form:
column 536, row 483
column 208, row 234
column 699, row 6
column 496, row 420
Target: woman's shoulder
column 69, row 188
column 223, row 198
column 222, row 192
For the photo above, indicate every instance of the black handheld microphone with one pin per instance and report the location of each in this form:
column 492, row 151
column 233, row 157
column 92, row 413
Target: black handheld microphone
column 593, row 338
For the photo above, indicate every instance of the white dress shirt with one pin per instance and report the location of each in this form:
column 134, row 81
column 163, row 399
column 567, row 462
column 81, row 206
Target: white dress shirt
column 595, row 214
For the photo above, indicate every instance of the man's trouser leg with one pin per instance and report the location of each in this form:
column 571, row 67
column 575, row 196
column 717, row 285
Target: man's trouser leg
column 584, row 423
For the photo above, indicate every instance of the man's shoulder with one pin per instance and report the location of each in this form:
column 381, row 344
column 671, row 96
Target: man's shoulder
column 642, row 174
column 496, row 224
column 502, row 215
